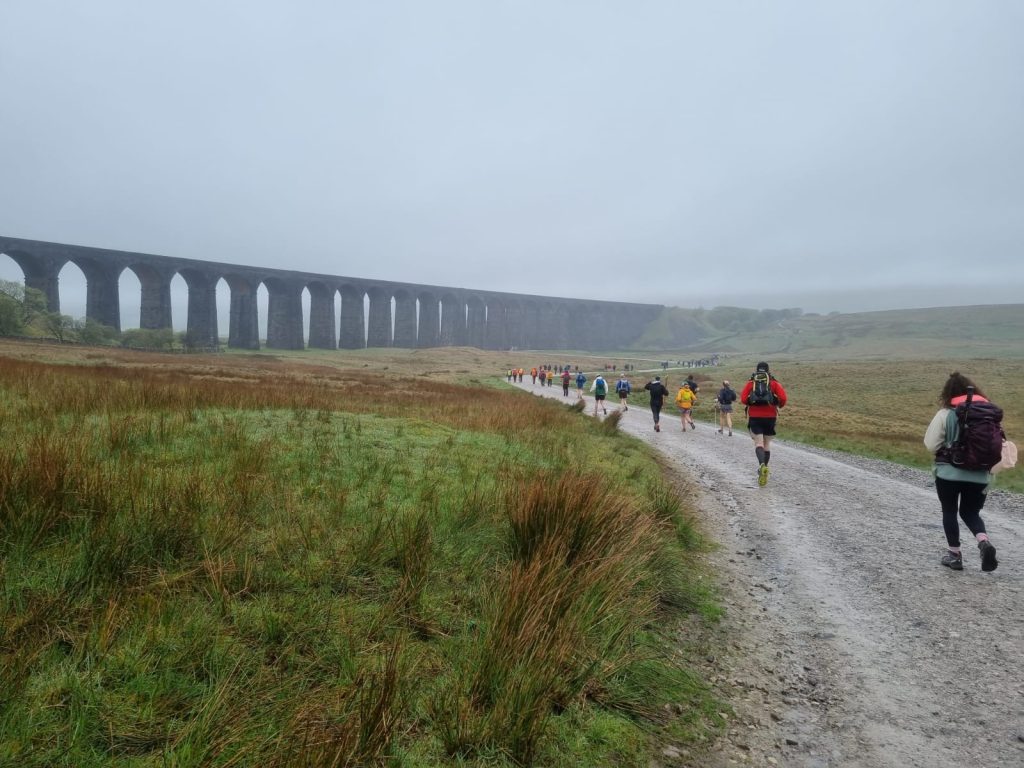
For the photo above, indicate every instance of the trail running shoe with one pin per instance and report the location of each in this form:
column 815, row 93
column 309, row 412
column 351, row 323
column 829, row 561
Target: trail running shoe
column 762, row 475
column 657, row 428
column 954, row 560
column 988, row 556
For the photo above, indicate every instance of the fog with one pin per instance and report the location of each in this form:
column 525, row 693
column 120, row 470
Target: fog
column 832, row 156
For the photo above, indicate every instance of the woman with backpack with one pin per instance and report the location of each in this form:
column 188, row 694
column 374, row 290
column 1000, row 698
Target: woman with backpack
column 961, row 490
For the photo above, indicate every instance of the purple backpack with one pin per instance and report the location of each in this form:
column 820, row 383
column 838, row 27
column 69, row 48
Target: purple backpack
column 979, row 444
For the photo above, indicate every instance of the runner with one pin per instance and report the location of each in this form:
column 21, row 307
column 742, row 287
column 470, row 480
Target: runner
column 763, row 395
column 960, row 490
column 600, row 390
column 622, row 389
column 533, row 375
column 542, row 376
column 686, row 399
column 726, row 397
column 658, row 395
column 580, row 381
column 694, row 386
column 566, row 378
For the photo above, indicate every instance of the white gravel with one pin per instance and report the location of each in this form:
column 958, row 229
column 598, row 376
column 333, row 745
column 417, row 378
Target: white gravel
column 849, row 644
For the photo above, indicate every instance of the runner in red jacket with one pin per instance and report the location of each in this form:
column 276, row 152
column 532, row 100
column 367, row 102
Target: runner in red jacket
column 763, row 395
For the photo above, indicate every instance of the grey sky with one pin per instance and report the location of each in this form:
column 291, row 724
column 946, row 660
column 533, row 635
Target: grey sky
column 850, row 156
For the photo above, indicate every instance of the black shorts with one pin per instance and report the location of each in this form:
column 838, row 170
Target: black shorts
column 623, row 394
column 761, row 425
column 599, row 397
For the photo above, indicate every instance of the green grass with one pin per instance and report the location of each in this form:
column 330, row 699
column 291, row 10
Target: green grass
column 234, row 567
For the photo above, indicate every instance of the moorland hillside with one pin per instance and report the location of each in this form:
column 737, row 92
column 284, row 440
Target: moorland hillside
column 974, row 331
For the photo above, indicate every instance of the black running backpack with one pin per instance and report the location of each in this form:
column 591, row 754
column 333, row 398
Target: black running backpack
column 761, row 394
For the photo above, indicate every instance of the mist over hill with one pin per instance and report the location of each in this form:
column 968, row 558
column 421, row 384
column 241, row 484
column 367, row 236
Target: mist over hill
column 994, row 330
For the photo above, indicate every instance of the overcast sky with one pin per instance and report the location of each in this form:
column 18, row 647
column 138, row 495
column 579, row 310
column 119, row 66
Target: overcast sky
column 827, row 155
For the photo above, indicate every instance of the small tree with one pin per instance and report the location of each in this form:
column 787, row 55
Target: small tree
column 61, row 327
column 90, row 332
column 20, row 307
column 11, row 323
column 147, row 338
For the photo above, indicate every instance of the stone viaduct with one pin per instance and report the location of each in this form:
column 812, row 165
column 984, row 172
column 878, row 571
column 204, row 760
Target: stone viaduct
column 400, row 314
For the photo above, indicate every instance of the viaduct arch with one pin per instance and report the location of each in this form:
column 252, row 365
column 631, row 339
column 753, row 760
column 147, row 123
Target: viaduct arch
column 404, row 315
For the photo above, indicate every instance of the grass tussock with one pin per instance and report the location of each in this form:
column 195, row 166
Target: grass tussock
column 566, row 608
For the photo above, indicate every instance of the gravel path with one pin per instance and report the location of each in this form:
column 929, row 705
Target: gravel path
column 849, row 645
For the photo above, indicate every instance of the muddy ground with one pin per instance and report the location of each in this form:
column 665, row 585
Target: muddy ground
column 844, row 642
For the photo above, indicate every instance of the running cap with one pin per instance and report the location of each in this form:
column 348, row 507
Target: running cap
column 762, row 366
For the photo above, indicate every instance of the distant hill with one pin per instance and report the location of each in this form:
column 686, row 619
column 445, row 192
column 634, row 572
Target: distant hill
column 995, row 330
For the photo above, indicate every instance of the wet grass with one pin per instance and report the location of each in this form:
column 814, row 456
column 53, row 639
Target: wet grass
column 227, row 563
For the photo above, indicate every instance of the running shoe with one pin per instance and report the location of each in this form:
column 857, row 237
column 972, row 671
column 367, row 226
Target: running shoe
column 953, row 560
column 657, row 428
column 762, row 475
column 988, row 556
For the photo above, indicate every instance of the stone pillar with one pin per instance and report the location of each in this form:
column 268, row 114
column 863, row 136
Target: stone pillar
column 496, row 325
column 321, row 317
column 102, row 298
column 514, row 325
column 244, row 322
column 528, row 325
column 41, row 274
column 453, row 321
column 476, row 324
column 429, row 334
column 405, row 321
column 353, row 326
column 201, row 328
column 284, row 315
column 378, row 334
column 49, row 286
column 155, row 311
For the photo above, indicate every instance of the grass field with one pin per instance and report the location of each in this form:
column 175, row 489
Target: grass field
column 242, row 560
column 370, row 557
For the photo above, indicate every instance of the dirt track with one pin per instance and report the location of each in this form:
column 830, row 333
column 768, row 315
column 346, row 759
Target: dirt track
column 851, row 645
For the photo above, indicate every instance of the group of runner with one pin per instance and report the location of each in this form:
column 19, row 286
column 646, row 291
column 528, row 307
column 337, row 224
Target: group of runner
column 961, row 490
column 763, row 396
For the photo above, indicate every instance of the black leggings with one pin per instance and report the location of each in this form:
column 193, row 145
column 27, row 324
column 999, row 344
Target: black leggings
column 656, row 410
column 970, row 498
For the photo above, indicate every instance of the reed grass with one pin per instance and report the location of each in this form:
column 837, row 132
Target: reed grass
column 299, row 565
